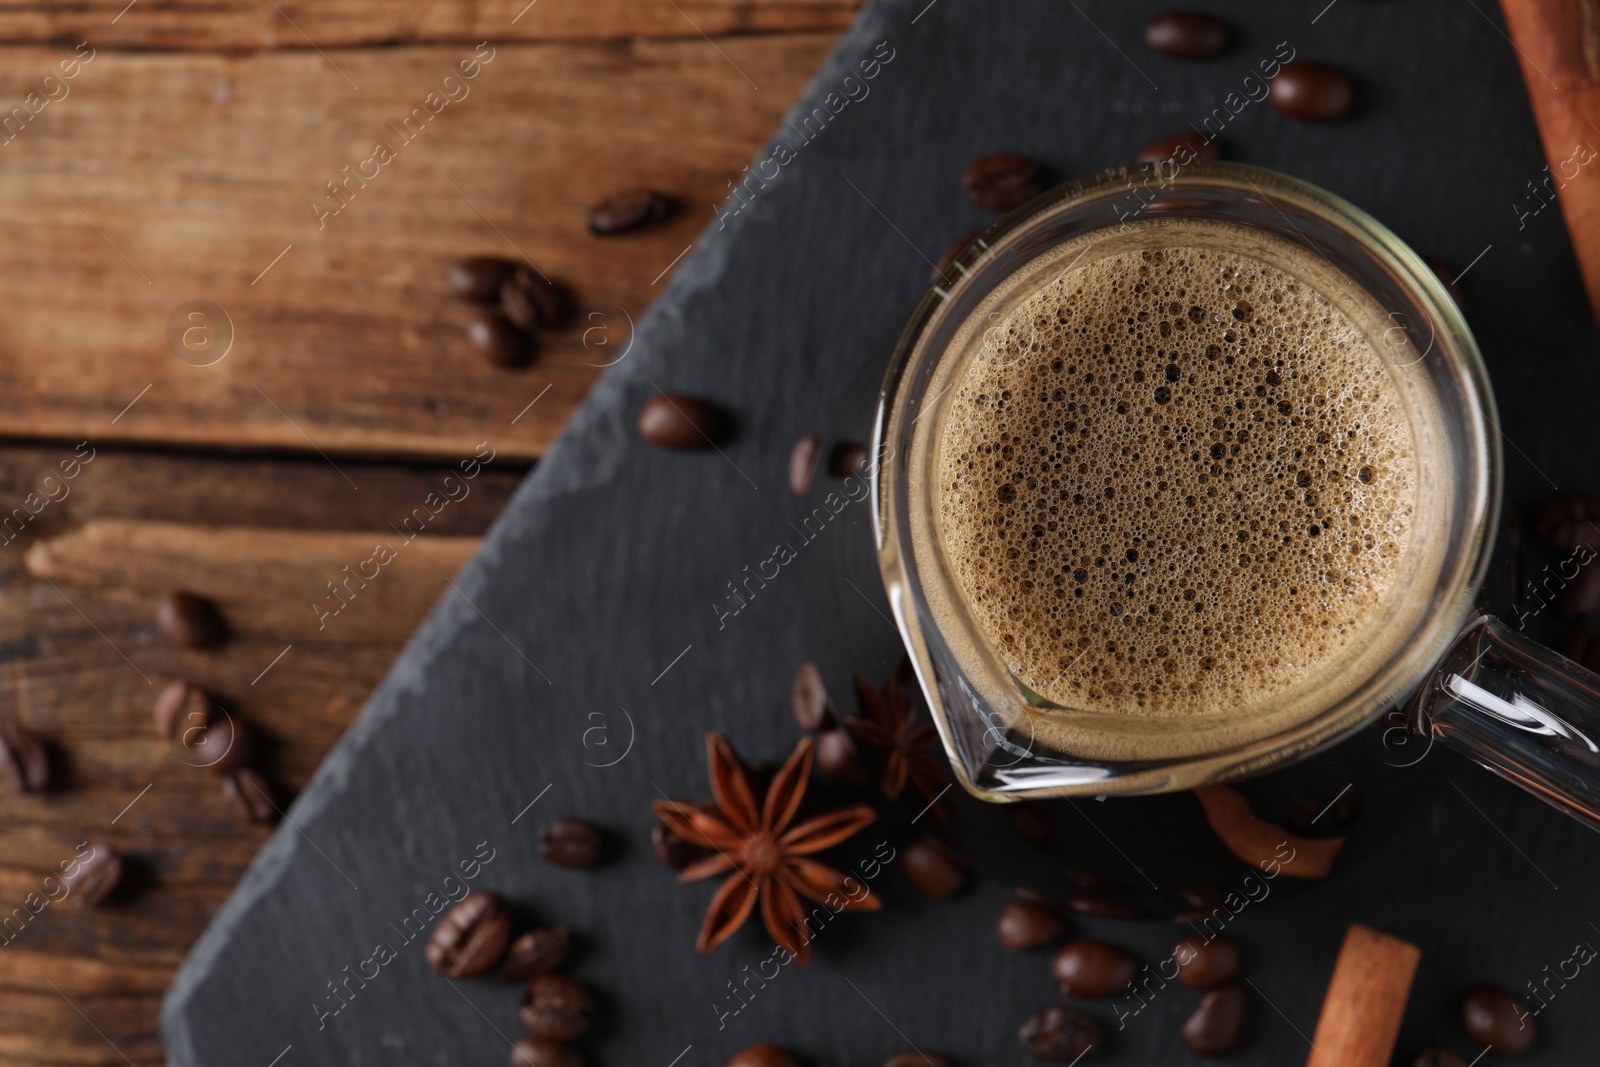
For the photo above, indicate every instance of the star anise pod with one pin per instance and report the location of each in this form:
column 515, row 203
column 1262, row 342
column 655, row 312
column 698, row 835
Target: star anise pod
column 912, row 752
column 765, row 852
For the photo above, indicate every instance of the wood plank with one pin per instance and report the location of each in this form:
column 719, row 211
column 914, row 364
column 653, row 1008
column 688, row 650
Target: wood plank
column 205, row 25
column 202, row 172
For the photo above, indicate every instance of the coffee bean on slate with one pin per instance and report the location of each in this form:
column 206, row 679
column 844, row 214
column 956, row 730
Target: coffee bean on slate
column 933, row 867
column 1491, row 1016
column 556, row 1007
column 762, row 1056
column 809, row 698
column 571, row 843
column 477, row 279
column 191, row 621
column 1200, row 895
column 534, row 953
column 180, row 705
column 917, row 1059
column 1206, row 964
column 534, row 302
column 1060, row 1035
column 1582, row 646
column 251, row 795
column 537, row 1052
column 1438, row 1057
column 1030, row 822
column 1186, row 34
column 1185, row 147
column 221, row 746
column 1029, row 924
column 673, row 420
column 840, row 760
column 1447, row 274
column 1567, row 521
column 1218, row 1023
column 673, row 851
column 1103, row 907
column 1093, row 969
column 1003, row 181
column 803, row 463
column 24, row 762
column 471, row 937
column 501, row 343
column 628, row 210
column 95, row 878
column 849, row 459
column 1313, row 92
column 1093, row 881
column 951, row 254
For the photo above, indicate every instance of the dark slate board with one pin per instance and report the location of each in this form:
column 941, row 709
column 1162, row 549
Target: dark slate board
column 609, row 562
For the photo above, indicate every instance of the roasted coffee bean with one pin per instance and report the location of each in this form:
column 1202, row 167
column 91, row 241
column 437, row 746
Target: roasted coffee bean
column 1493, row 1017
column 1093, row 969
column 95, row 878
column 221, row 746
column 1438, row 1057
column 1200, row 896
column 1093, row 881
column 1029, row 924
column 1003, row 181
column 477, row 279
column 180, row 705
column 1582, row 646
column 628, row 210
column 251, row 795
column 534, row 953
column 840, row 760
column 1313, row 92
column 673, row 851
column 933, row 867
column 848, row 459
column 471, row 937
column 1185, row 147
column 571, row 843
column 1567, row 521
column 1186, row 34
column 917, row 1059
column 556, row 1007
column 537, row 1052
column 1218, row 1023
column 762, row 1056
column 803, row 463
column 533, row 302
column 24, row 762
column 1030, row 822
column 501, row 343
column 809, row 698
column 1206, row 964
column 673, row 420
column 951, row 254
column 191, row 621
column 1104, row 907
column 1448, row 275
column 1060, row 1035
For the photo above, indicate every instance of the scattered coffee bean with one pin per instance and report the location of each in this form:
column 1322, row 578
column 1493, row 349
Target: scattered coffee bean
column 933, row 867
column 1438, row 1057
column 1186, row 34
column 1313, row 92
column 1029, row 924
column 534, row 953
column 1200, row 896
column 500, row 342
column 762, row 1056
column 848, row 460
column 1564, row 521
column 533, row 302
column 1003, row 181
column 180, row 705
column 221, row 746
column 951, row 254
column 917, row 1059
column 1060, row 1035
column 477, row 279
column 673, row 851
column 252, row 795
column 1491, row 1016
column 1030, row 822
column 809, row 698
column 628, row 210
column 1447, row 275
column 537, row 1052
column 191, row 621
column 1104, row 907
column 840, row 760
column 24, row 762
column 95, row 878
column 1185, row 147
column 470, row 937
column 673, row 420
column 1093, row 881
column 803, row 463
column 1093, row 969
column 556, row 1007
column 1206, row 964
column 1218, row 1023
column 571, row 843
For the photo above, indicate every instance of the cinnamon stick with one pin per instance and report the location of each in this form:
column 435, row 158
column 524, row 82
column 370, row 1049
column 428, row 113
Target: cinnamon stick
column 1365, row 1001
column 1264, row 845
column 1558, row 45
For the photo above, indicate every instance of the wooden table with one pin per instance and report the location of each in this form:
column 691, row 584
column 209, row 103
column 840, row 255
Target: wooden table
column 175, row 158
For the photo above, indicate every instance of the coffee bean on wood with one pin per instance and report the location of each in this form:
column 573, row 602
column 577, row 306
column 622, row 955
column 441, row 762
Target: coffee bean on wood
column 95, row 878
column 24, row 761
column 191, row 621
column 500, row 342
column 179, row 706
column 252, row 795
column 628, row 210
column 477, row 279
column 534, row 302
